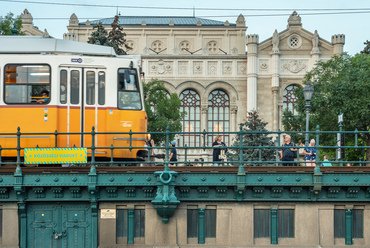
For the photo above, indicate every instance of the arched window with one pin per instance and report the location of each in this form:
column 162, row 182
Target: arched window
column 218, row 115
column 289, row 99
column 190, row 103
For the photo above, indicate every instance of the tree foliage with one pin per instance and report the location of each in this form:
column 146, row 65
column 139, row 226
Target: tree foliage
column 162, row 109
column 342, row 83
column 115, row 38
column 367, row 47
column 256, row 135
column 99, row 36
column 8, row 23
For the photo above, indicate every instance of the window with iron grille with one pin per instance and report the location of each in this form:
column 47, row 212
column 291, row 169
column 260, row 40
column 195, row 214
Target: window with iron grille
column 122, row 223
column 192, row 223
column 285, row 223
column 261, row 224
column 289, row 99
column 218, row 115
column 357, row 223
column 190, row 103
column 210, row 222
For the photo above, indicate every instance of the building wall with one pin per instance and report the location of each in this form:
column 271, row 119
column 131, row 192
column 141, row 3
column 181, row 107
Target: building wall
column 314, row 226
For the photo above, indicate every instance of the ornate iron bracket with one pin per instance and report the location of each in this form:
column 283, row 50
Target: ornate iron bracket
column 165, row 201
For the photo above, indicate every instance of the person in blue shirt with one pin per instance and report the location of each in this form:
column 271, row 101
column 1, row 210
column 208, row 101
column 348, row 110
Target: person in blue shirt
column 173, row 155
column 310, row 153
column 326, row 161
column 45, row 97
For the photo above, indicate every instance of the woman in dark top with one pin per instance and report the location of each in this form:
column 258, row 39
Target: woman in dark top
column 173, row 155
column 217, row 150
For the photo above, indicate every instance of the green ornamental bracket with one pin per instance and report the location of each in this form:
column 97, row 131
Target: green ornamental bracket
column 165, row 201
column 240, row 184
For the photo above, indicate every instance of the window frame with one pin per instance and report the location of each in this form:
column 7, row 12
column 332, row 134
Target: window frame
column 138, row 89
column 47, row 86
column 194, row 139
column 287, row 102
column 212, row 122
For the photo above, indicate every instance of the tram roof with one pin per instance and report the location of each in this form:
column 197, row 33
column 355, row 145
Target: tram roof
column 38, row 44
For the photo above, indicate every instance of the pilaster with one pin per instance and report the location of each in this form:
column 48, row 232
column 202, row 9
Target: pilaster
column 252, row 41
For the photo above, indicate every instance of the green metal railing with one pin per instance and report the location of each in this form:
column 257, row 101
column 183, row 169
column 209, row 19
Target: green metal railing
column 184, row 151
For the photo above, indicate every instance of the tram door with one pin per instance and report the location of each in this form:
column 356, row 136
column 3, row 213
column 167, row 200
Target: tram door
column 81, row 99
column 59, row 225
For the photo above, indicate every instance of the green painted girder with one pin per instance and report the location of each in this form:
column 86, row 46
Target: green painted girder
column 189, row 186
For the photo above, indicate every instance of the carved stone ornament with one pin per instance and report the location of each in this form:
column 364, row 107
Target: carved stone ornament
column 205, row 110
column 227, row 68
column 26, row 17
column 183, row 67
column 73, row 20
column 234, row 51
column 234, row 110
column 294, row 19
column 275, row 42
column 242, row 68
column 240, row 22
column 198, row 67
column 294, row 65
column 315, row 43
column 264, row 66
column 160, row 67
column 212, row 68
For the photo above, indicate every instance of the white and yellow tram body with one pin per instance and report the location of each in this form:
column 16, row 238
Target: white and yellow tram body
column 88, row 86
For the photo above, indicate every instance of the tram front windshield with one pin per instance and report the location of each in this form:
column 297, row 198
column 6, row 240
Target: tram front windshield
column 128, row 90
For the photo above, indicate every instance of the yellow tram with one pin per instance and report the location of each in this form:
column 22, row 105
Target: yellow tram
column 50, row 85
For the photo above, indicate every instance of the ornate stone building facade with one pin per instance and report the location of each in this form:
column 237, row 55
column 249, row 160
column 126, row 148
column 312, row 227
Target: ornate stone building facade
column 218, row 70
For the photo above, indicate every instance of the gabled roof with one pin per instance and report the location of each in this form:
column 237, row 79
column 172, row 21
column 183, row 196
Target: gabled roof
column 159, row 21
column 38, row 44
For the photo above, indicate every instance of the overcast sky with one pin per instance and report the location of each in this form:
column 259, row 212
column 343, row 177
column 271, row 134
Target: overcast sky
column 354, row 25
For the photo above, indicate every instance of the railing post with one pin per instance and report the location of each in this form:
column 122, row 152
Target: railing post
column 204, row 139
column 166, row 167
column 130, row 146
column 111, row 155
column 56, row 139
column 259, row 155
column 0, row 156
column 18, row 169
column 93, row 146
column 317, row 147
column 186, row 154
column 241, row 145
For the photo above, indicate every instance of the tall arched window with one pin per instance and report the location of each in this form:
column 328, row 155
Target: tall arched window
column 289, row 99
column 218, row 115
column 190, row 103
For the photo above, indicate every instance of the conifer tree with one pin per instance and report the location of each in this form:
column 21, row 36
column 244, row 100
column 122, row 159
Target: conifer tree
column 99, row 36
column 255, row 134
column 117, row 39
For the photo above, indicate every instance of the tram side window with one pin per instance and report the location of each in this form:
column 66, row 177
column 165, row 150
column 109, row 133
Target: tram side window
column 75, row 87
column 128, row 90
column 90, row 88
column 101, row 85
column 27, row 84
column 63, row 86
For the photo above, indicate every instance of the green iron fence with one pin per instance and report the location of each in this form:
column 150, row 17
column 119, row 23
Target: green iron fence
column 237, row 148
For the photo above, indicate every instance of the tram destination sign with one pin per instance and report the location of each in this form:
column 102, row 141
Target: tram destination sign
column 55, row 155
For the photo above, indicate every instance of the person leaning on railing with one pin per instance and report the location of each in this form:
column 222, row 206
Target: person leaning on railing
column 287, row 154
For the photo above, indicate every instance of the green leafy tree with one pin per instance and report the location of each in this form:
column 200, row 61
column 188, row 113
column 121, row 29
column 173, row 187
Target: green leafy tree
column 342, row 83
column 99, row 36
column 162, row 109
column 116, row 37
column 251, row 138
column 367, row 47
column 8, row 23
